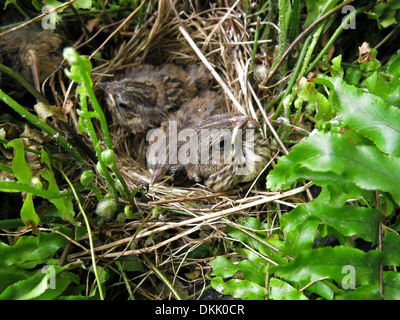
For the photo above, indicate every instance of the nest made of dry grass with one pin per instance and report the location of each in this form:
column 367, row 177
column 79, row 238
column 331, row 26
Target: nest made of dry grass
column 225, row 45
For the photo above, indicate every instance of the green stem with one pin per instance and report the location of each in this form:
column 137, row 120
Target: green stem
column 284, row 17
column 43, row 126
column 96, row 144
column 332, row 39
column 80, row 71
column 89, row 234
column 87, row 84
column 322, row 18
column 161, row 276
column 293, row 78
column 126, row 280
column 10, row 72
column 294, row 21
column 255, row 46
column 305, row 54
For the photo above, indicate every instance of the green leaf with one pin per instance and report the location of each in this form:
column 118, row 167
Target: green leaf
column 301, row 238
column 44, row 285
column 30, row 251
column 28, row 213
column 337, row 70
column 391, row 281
column 366, row 292
column 322, row 289
column 311, row 265
column 329, row 158
column 394, row 65
column 243, row 289
column 348, row 220
column 12, row 274
column 370, row 115
column 316, row 100
column 281, row 290
column 253, row 271
column 391, row 249
column 353, row 76
column 14, row 186
column 83, row 4
column 22, row 170
column 132, row 263
column 223, row 267
column 64, row 205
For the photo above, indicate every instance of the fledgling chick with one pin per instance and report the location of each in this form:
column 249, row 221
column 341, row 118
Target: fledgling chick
column 33, row 54
column 219, row 149
column 144, row 96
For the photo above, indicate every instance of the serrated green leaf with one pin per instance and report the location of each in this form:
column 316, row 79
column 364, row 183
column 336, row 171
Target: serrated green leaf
column 281, row 290
column 243, row 289
column 366, row 292
column 30, row 251
column 12, row 274
column 391, row 282
column 368, row 114
column 253, row 271
column 223, row 267
column 301, row 238
column 329, row 158
column 310, row 265
column 42, row 285
column 347, row 220
column 391, row 249
column 316, row 100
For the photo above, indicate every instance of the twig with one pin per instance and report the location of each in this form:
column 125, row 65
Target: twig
column 208, row 217
column 213, row 195
column 161, row 276
column 211, row 69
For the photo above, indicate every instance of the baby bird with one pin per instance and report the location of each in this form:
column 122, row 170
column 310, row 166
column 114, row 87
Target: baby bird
column 172, row 134
column 219, row 149
column 144, row 96
column 33, row 54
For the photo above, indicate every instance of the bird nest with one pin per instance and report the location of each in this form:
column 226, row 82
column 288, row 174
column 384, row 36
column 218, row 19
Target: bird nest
column 216, row 38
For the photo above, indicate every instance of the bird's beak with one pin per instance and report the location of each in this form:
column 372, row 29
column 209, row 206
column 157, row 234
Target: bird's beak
column 104, row 86
column 34, row 62
column 157, row 175
column 238, row 122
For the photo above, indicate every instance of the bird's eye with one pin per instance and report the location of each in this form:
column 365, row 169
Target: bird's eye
column 123, row 107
